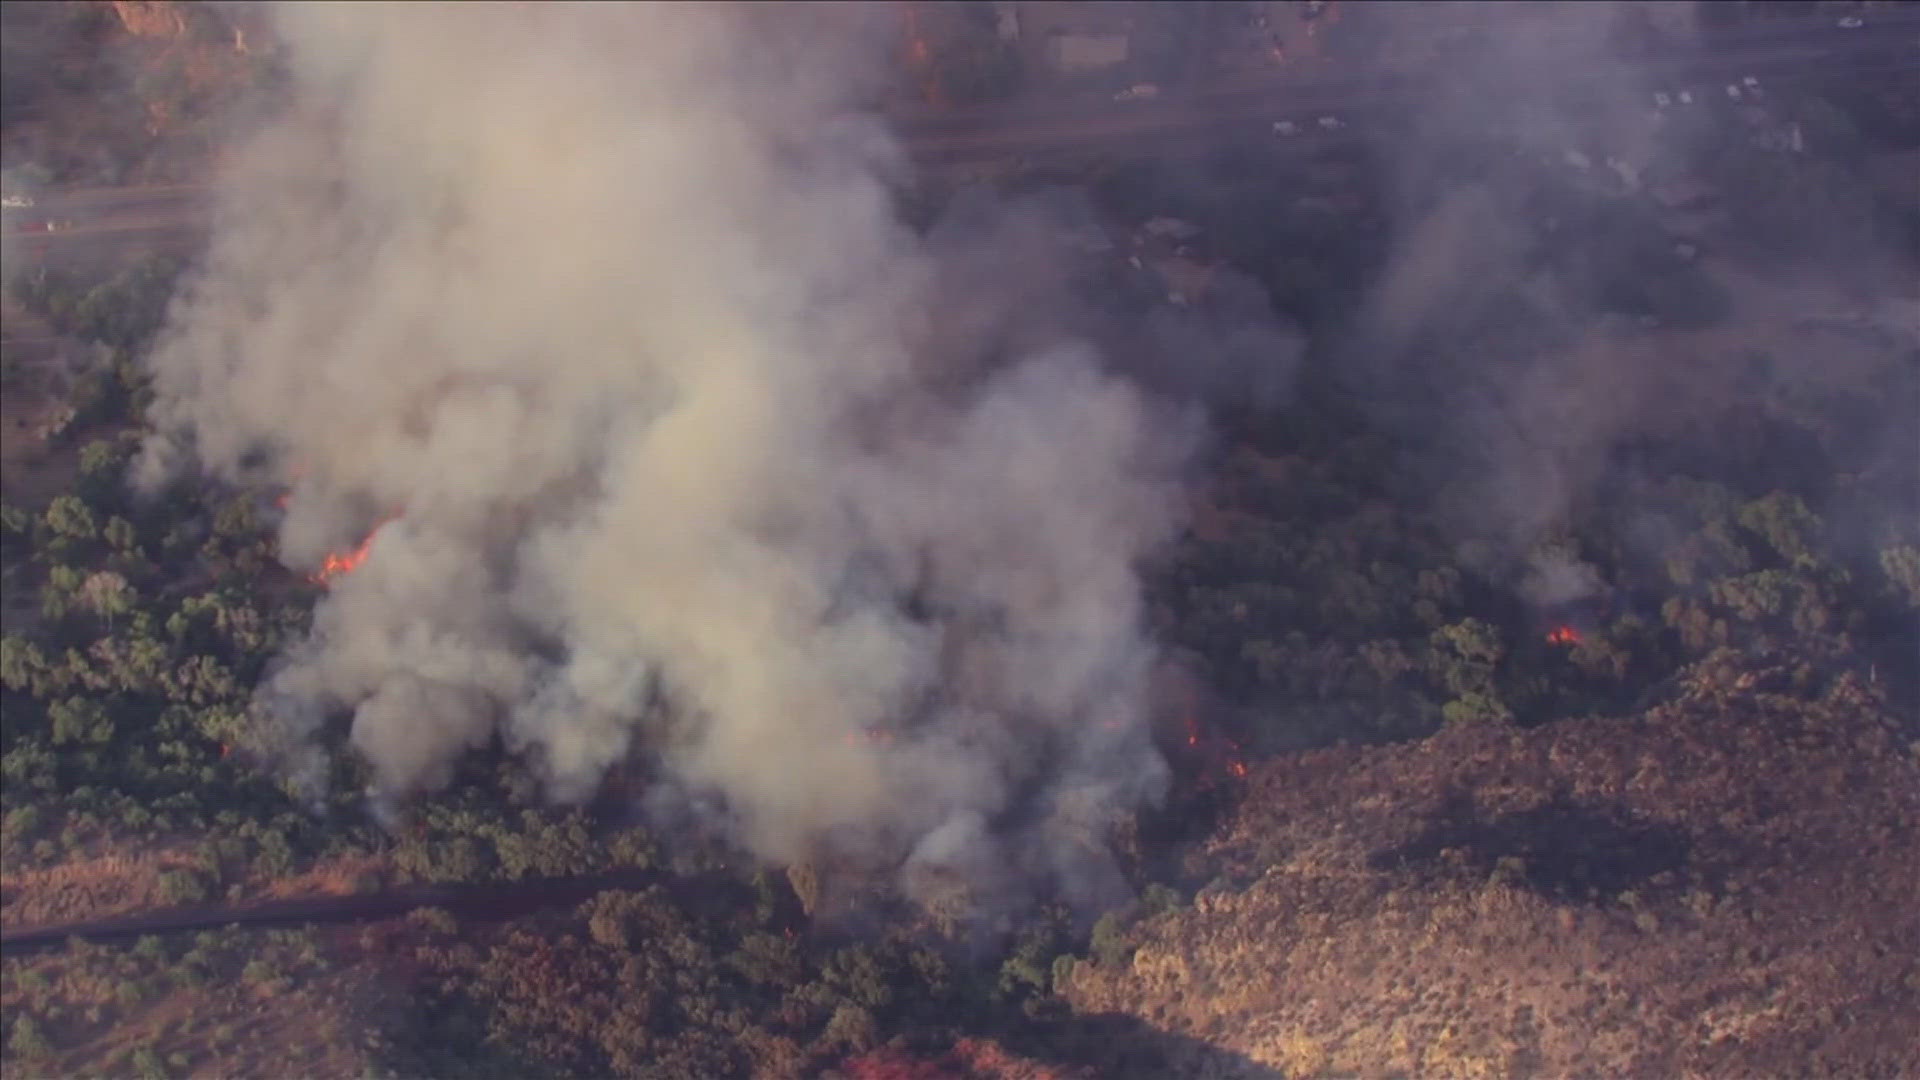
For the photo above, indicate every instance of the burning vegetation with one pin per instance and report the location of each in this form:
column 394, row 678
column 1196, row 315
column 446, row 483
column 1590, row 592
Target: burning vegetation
column 1216, row 755
column 750, row 528
column 1563, row 635
column 336, row 565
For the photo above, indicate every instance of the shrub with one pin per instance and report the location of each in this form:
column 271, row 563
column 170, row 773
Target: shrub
column 1159, row 898
column 851, row 1027
column 20, row 823
column 1062, row 971
column 146, row 1064
column 25, row 1040
column 434, row 921
column 1110, row 944
column 259, row 972
column 182, row 886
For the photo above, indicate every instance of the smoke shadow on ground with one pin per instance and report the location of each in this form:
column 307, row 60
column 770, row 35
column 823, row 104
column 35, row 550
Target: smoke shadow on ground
column 1122, row 1047
column 1566, row 850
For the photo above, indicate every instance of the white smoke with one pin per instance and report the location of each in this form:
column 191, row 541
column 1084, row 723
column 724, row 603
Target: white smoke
column 687, row 443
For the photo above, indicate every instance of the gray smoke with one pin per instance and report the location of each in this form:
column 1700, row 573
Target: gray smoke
column 1552, row 299
column 682, row 442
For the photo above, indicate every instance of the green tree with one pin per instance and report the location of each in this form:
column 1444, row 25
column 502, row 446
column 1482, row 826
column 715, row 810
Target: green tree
column 101, row 459
column 120, row 533
column 772, row 960
column 1029, row 966
column 805, row 882
column 202, row 681
column 851, row 1028
column 80, row 720
column 59, row 595
column 546, row 848
column 25, row 1039
column 1788, row 527
column 1466, row 657
column 226, row 725
column 856, row 974
column 146, row 1064
column 107, row 594
column 22, row 666
column 1110, row 944
column 1901, row 564
column 182, row 886
column 69, row 517
column 236, row 520
column 136, row 663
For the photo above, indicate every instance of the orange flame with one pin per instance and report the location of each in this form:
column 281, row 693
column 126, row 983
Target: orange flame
column 1563, row 635
column 336, row 564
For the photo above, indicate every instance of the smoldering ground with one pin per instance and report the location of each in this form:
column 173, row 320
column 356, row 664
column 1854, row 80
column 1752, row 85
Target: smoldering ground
column 671, row 438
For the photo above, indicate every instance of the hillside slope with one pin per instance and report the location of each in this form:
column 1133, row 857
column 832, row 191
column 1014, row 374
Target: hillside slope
column 1719, row 887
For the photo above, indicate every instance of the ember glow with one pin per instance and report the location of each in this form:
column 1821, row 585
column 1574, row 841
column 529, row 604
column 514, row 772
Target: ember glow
column 919, row 57
column 1219, row 752
column 1563, row 635
column 917, row 50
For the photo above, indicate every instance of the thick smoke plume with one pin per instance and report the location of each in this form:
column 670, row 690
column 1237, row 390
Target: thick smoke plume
column 676, row 440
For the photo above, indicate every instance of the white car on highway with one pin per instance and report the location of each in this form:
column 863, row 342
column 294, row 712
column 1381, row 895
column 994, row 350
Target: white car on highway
column 17, row 202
